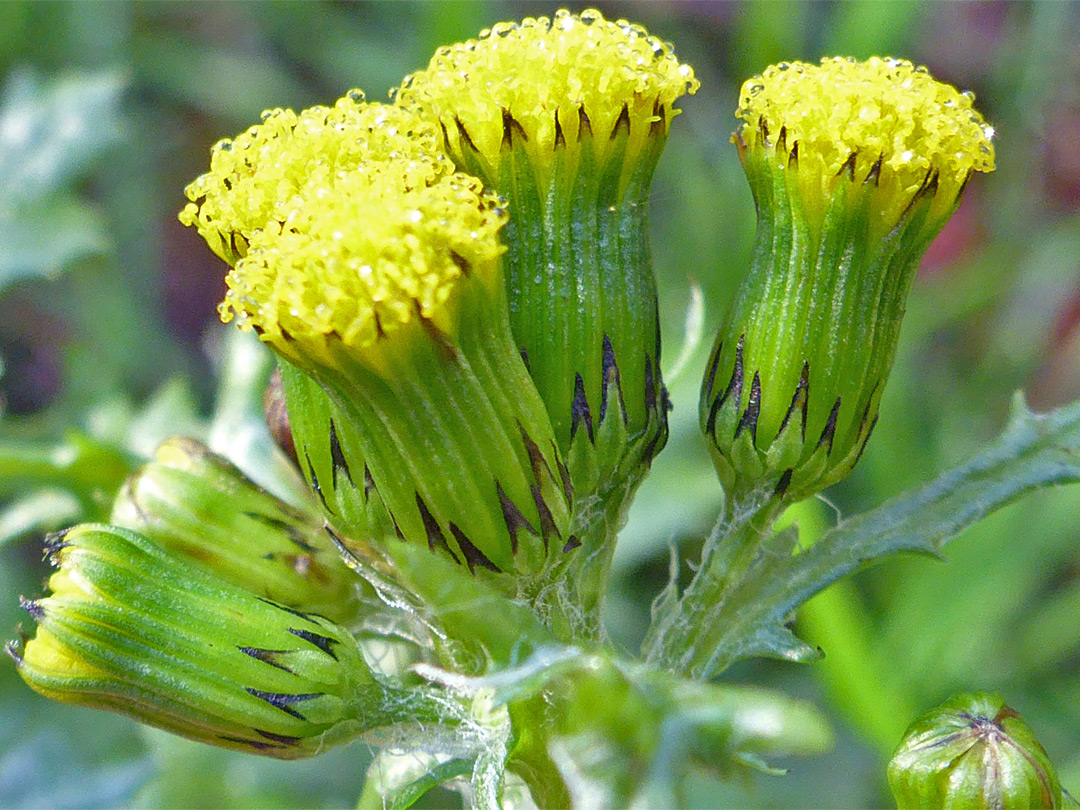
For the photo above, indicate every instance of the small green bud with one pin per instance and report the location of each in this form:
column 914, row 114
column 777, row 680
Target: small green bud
column 130, row 629
column 854, row 167
column 973, row 751
column 199, row 506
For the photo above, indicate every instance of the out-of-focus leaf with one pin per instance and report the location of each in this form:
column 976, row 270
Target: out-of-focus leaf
column 396, row 781
column 50, row 133
column 46, row 510
column 1036, row 450
column 238, row 428
column 193, row 776
column 624, row 735
column 55, row 756
column 42, row 238
column 90, row 469
column 233, row 85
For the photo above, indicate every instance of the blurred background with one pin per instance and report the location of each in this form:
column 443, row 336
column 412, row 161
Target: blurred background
column 108, row 340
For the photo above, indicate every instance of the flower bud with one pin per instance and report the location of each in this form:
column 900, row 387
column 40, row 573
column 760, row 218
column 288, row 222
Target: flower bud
column 973, row 751
column 566, row 117
column 854, row 167
column 374, row 272
column 196, row 505
column 130, row 629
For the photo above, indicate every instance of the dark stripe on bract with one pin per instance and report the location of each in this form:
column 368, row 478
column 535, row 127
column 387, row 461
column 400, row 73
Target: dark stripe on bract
column 294, row 534
column 324, row 643
column 783, row 483
column 830, row 426
column 283, row 701
column 337, row 458
column 649, row 453
column 512, row 516
column 462, row 263
column 473, row 555
column 866, row 439
column 299, row 613
column 650, row 386
column 435, row 537
column 710, row 374
column 875, row 172
column 579, row 409
column 284, row 739
column 734, row 387
column 753, row 408
column 258, row 746
column 267, row 657
column 560, row 139
column 564, row 474
column 584, row 124
column 547, row 522
column 849, row 165
column 536, row 459
column 511, row 129
column 799, row 400
column 571, row 544
column 621, row 123
column 464, row 135
column 315, row 483
column 369, row 483
column 610, row 372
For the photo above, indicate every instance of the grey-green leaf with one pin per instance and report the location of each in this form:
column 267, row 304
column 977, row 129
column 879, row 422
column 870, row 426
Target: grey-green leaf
column 1036, row 450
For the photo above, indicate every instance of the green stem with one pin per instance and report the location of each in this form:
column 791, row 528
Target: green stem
column 682, row 639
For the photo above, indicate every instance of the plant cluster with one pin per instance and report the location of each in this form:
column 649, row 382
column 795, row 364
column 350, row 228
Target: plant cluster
column 458, row 290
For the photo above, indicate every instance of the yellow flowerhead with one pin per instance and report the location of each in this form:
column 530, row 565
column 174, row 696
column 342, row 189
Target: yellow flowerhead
column 258, row 178
column 547, row 81
column 363, row 258
column 883, row 121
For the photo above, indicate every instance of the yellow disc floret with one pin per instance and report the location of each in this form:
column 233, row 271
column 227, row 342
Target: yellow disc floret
column 262, row 175
column 884, row 118
column 363, row 256
column 543, row 70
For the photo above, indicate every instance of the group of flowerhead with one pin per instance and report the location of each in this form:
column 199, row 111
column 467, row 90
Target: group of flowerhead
column 459, row 291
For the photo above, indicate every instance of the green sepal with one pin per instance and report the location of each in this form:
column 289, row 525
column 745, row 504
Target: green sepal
column 973, row 751
column 582, row 294
column 450, row 438
column 131, row 629
column 791, row 392
column 199, row 506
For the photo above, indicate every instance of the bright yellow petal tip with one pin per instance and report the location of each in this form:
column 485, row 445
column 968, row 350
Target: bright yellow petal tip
column 542, row 73
column 262, row 175
column 364, row 257
column 883, row 109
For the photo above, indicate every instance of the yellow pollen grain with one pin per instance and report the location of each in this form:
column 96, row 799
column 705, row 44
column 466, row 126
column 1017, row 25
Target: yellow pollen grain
column 363, row 258
column 540, row 67
column 259, row 178
column 883, row 108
